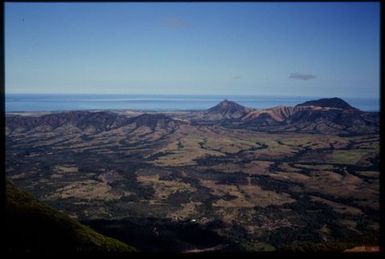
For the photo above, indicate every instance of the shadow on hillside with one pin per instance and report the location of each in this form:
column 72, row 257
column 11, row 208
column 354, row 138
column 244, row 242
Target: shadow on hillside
column 163, row 235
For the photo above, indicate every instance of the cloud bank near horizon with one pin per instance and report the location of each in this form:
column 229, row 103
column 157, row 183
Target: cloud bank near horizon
column 301, row 76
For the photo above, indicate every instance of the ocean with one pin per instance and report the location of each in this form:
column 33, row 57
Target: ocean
column 50, row 102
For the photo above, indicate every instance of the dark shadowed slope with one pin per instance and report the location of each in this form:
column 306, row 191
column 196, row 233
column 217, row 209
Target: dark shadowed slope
column 32, row 227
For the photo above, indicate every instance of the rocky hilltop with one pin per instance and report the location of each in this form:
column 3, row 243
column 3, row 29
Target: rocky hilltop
column 226, row 110
column 330, row 103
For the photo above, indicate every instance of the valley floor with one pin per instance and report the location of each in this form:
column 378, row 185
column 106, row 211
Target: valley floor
column 239, row 188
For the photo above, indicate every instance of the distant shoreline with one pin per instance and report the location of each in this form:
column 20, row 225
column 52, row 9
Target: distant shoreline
column 156, row 103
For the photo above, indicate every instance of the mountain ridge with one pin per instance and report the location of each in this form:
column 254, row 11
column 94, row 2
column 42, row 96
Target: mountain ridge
column 228, row 110
column 333, row 113
column 334, row 102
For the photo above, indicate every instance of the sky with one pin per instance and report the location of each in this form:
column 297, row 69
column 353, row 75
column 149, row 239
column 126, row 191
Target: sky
column 256, row 49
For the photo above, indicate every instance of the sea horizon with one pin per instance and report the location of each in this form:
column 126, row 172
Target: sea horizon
column 47, row 102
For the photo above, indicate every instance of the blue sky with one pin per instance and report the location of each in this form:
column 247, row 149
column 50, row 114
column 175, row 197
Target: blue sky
column 290, row 49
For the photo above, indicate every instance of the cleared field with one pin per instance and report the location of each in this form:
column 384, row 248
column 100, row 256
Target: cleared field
column 85, row 190
column 186, row 145
column 257, row 167
column 338, row 207
column 183, row 148
column 347, row 157
column 315, row 141
column 321, row 167
column 188, row 211
column 245, row 196
column 373, row 174
column 66, row 169
column 163, row 189
column 290, row 177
